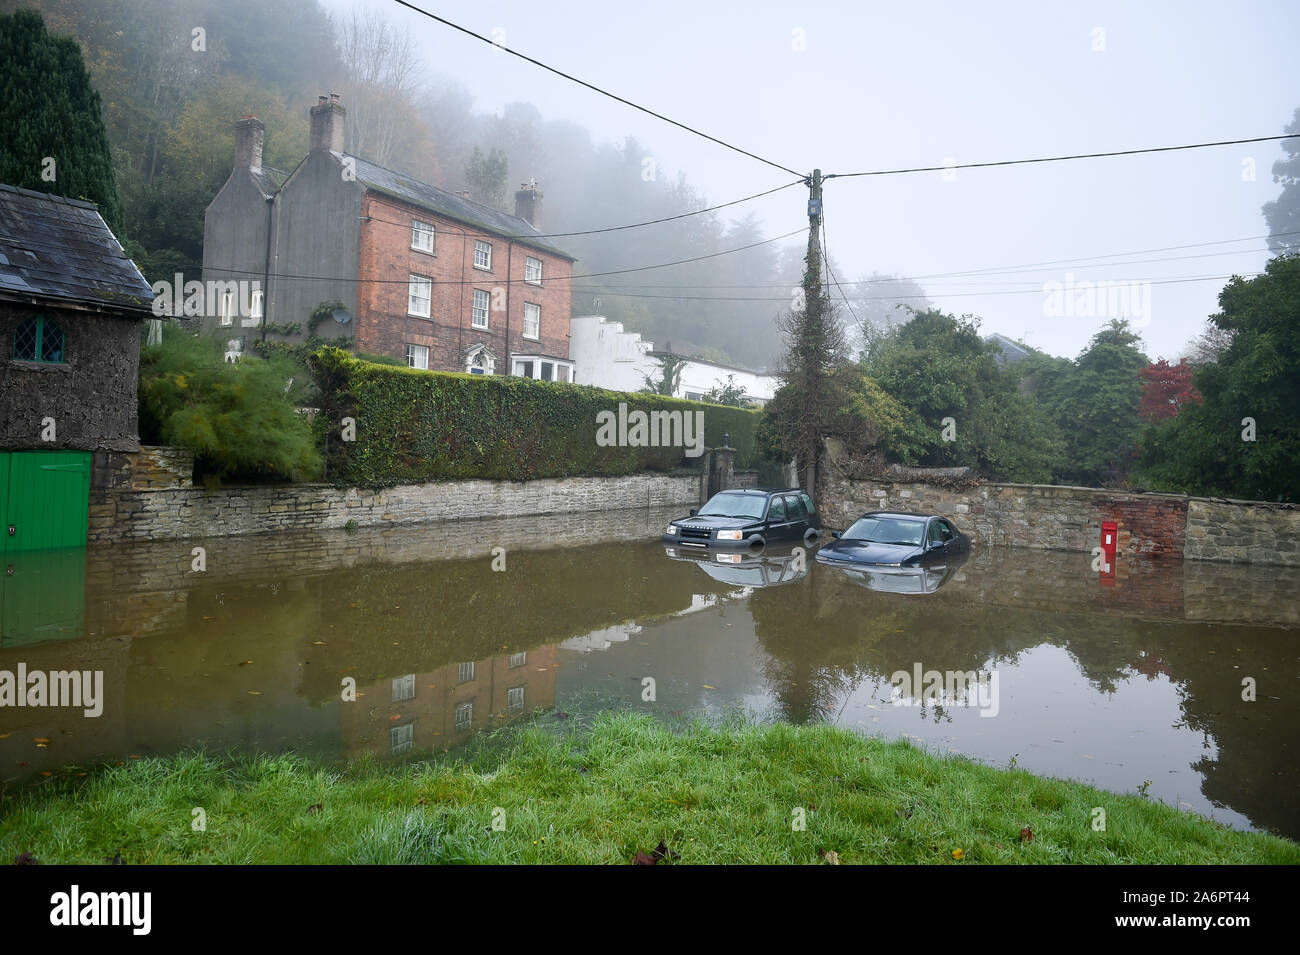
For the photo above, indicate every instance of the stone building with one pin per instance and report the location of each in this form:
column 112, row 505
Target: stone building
column 71, row 311
column 422, row 274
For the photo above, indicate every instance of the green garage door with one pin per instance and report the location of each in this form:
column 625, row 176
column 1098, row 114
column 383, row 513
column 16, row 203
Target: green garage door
column 45, row 497
column 44, row 503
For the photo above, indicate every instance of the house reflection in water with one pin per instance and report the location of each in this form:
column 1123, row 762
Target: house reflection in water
column 442, row 708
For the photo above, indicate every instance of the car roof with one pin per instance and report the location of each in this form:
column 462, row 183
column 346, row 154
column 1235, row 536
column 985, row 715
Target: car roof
column 762, row 490
column 906, row 515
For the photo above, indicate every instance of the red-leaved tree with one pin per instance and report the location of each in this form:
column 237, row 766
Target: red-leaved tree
column 1166, row 389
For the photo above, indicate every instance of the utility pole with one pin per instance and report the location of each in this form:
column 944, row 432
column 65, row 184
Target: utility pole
column 814, row 316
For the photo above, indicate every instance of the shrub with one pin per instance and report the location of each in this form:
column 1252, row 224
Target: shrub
column 414, row 426
column 239, row 419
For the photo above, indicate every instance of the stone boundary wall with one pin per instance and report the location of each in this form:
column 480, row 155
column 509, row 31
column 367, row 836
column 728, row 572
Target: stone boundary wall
column 147, row 496
column 1050, row 517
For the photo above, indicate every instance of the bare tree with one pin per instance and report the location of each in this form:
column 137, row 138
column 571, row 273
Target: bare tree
column 381, row 68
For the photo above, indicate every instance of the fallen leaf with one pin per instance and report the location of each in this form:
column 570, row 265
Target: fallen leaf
column 830, row 855
column 707, row 687
column 395, row 716
column 40, row 739
column 244, row 663
column 312, row 810
column 1026, row 834
column 254, row 692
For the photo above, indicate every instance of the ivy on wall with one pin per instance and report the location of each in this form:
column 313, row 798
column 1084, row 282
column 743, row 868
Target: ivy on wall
column 413, row 426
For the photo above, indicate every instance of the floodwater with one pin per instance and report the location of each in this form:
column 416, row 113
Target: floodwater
column 1133, row 679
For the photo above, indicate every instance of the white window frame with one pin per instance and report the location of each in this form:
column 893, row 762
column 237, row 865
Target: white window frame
column 419, row 281
column 401, row 739
column 412, row 351
column 468, row 722
column 485, row 249
column 419, row 230
column 515, row 699
column 404, row 688
column 532, row 270
column 475, row 310
column 519, row 659
column 464, row 675
column 536, row 321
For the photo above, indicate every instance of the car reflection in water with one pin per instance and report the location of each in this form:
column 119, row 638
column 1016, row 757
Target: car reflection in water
column 918, row 579
column 768, row 566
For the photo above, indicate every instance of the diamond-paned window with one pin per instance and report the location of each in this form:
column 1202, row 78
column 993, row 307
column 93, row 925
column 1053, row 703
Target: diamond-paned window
column 39, row 339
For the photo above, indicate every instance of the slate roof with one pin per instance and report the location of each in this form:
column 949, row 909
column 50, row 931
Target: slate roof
column 60, row 248
column 269, row 180
column 449, row 204
column 1009, row 352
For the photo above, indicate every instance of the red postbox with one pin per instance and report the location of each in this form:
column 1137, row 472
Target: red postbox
column 1109, row 547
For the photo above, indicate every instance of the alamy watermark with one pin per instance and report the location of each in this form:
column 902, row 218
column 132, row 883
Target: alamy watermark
column 977, row 688
column 657, row 429
column 223, row 299
column 37, row 688
column 1125, row 299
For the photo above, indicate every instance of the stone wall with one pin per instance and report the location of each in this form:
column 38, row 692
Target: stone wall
column 1243, row 531
column 147, row 496
column 1049, row 517
column 91, row 394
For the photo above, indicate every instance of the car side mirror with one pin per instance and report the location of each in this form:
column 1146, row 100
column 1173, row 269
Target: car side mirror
column 835, row 534
column 693, row 511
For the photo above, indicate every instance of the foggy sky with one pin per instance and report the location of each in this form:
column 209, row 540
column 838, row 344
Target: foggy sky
column 887, row 85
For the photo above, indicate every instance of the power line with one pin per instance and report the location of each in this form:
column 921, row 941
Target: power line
column 618, row 228
column 895, row 298
column 1004, row 270
column 826, row 254
column 596, row 89
column 1023, row 162
column 507, row 281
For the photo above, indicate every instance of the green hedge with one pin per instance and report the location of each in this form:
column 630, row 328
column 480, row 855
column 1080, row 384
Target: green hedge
column 414, row 426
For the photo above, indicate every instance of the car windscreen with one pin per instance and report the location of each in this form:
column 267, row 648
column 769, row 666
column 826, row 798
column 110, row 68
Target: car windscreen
column 886, row 530
column 734, row 505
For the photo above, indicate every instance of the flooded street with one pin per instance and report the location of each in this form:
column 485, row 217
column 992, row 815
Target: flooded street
column 1132, row 682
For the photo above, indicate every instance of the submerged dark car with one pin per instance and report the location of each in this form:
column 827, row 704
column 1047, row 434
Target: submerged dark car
column 748, row 518
column 765, row 567
column 889, row 539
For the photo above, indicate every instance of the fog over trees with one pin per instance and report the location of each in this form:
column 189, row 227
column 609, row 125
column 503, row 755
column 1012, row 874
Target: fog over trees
column 171, row 98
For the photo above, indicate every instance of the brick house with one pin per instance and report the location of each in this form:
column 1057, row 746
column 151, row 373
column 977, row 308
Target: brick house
column 424, row 275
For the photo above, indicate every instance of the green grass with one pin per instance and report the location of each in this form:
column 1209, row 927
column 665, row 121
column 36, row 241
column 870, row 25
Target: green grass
column 597, row 792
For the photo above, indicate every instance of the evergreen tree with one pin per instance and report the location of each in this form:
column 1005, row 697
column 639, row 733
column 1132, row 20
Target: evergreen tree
column 54, row 139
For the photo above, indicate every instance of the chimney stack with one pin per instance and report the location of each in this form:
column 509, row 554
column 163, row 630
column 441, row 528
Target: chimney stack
column 528, row 204
column 249, row 133
column 327, row 124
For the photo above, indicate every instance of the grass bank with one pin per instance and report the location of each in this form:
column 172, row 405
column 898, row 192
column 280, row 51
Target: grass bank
column 600, row 793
